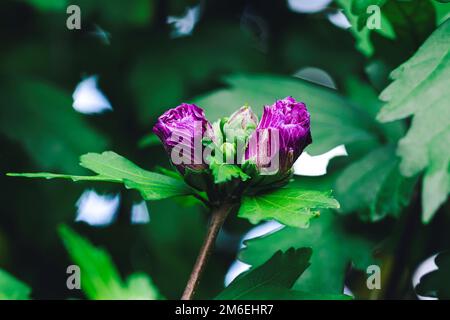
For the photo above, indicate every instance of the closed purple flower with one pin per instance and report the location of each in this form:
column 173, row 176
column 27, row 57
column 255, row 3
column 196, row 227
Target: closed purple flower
column 181, row 130
column 281, row 136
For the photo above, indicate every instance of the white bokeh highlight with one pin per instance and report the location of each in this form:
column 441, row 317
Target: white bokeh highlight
column 96, row 209
column 184, row 25
column 308, row 6
column 139, row 213
column 425, row 267
column 307, row 165
column 88, row 99
column 339, row 19
column 348, row 292
column 102, row 35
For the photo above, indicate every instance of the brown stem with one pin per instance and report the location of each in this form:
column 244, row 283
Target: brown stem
column 218, row 217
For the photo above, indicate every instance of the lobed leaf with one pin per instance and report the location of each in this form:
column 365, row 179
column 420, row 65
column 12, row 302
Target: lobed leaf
column 111, row 167
column 420, row 88
column 291, row 206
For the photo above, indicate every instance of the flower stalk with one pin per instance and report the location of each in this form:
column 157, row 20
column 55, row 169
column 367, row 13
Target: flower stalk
column 218, row 217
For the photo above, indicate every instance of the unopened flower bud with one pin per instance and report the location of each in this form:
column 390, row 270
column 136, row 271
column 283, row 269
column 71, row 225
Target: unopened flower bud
column 181, row 131
column 240, row 125
column 281, row 136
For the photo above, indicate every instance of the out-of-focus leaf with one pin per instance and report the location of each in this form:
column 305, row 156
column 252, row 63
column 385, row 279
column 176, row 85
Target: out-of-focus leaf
column 281, row 270
column 139, row 12
column 273, row 280
column 40, row 117
column 420, row 88
column 302, row 50
column 290, row 206
column 48, row 5
column 374, row 182
column 335, row 248
column 149, row 141
column 112, row 167
column 334, row 120
column 409, row 22
column 111, row 13
column 363, row 43
column 12, row 289
column 412, row 20
column 356, row 13
column 437, row 283
column 139, row 286
column 359, row 7
column 442, row 11
column 100, row 279
column 366, row 98
column 162, row 78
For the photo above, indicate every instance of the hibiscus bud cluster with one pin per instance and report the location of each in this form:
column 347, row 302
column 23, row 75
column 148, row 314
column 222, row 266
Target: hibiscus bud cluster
column 265, row 148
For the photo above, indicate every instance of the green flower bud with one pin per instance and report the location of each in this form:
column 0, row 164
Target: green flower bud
column 240, row 125
column 228, row 150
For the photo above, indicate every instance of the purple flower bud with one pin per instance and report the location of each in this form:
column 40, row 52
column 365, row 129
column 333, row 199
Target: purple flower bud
column 281, row 136
column 181, row 131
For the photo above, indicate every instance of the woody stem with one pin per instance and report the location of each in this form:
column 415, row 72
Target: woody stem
column 218, row 217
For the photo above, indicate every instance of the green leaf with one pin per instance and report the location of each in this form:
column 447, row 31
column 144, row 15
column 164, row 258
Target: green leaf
column 361, row 35
column 291, row 206
column 359, row 7
column 437, row 283
column 40, row 117
column 49, row 5
column 356, row 13
column 112, row 167
column 273, row 280
column 366, row 99
column 100, row 279
column 139, row 12
column 334, row 119
column 374, row 182
column 335, row 245
column 412, row 21
column 12, row 289
column 436, row 182
column 442, row 10
column 419, row 82
column 420, row 88
column 281, row 270
column 408, row 21
column 149, row 141
column 224, row 172
column 139, row 286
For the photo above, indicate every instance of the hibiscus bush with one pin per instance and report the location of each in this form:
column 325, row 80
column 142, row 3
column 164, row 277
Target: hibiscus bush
column 238, row 150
